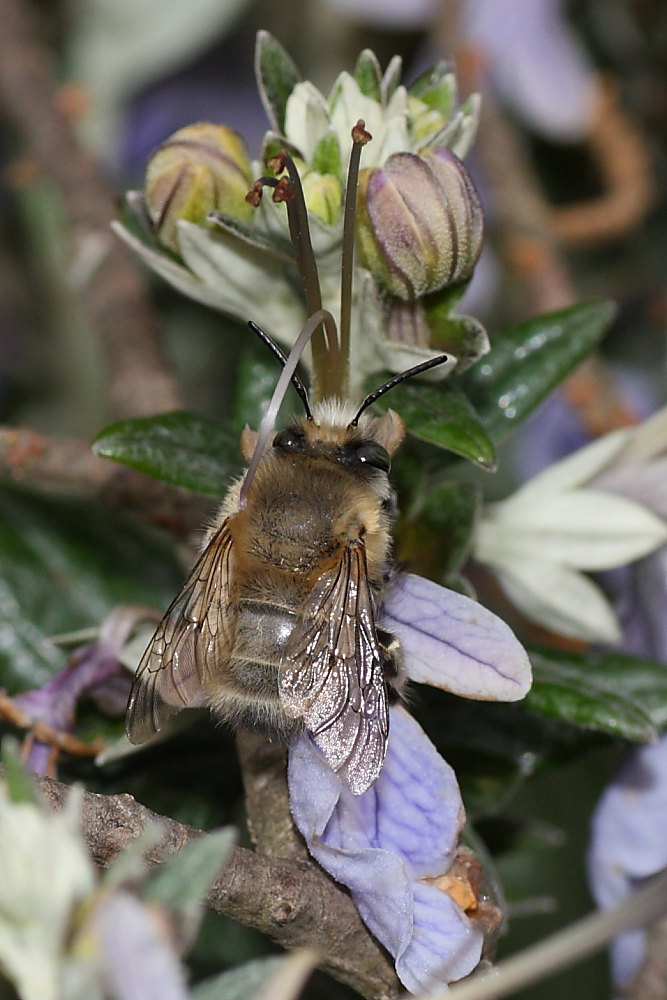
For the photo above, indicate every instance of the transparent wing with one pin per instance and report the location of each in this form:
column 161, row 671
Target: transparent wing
column 190, row 641
column 332, row 675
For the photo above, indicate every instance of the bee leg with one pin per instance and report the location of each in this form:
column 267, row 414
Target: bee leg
column 391, row 655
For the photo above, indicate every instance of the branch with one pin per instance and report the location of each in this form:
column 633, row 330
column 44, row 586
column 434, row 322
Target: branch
column 101, row 269
column 294, row 902
column 68, row 467
column 650, row 982
column 269, row 819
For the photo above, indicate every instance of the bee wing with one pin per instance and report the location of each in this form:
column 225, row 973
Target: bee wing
column 188, row 644
column 332, row 675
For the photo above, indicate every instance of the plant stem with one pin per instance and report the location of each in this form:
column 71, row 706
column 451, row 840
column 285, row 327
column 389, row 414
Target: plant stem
column 359, row 139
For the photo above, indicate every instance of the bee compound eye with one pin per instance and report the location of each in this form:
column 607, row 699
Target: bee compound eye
column 367, row 454
column 291, row 439
column 370, row 453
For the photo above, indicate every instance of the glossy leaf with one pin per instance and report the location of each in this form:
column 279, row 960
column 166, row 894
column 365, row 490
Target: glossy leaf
column 526, row 363
column 63, row 567
column 441, row 415
column 454, row 507
column 609, row 692
column 277, row 76
column 493, row 747
column 256, row 378
column 185, row 450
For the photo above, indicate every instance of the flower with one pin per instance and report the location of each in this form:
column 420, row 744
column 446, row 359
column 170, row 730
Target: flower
column 65, row 932
column 245, row 266
column 628, row 844
column 398, row 120
column 382, row 844
column 45, row 874
column 419, row 224
column 93, row 670
column 536, row 63
column 392, row 845
column 597, row 509
column 199, row 169
column 135, row 956
column 627, row 836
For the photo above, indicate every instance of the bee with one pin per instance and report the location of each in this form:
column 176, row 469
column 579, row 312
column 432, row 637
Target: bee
column 275, row 627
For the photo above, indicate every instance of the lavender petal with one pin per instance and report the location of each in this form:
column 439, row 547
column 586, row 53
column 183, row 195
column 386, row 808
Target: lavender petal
column 447, row 948
column 137, row 958
column 628, row 842
column 379, row 844
column 454, row 643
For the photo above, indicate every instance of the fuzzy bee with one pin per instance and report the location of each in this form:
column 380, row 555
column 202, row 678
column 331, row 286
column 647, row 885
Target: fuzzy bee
column 275, row 626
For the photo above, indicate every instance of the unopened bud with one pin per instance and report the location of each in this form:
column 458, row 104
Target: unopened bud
column 200, row 169
column 323, row 194
column 419, row 222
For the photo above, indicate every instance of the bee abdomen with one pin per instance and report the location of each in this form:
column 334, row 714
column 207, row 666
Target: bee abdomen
column 262, row 630
column 249, row 696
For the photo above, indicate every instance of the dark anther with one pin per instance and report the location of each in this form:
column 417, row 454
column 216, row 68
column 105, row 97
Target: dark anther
column 254, row 195
column 277, row 163
column 359, row 134
column 283, row 191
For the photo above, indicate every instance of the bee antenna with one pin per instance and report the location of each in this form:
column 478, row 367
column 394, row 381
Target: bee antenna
column 322, row 316
column 282, row 358
column 396, row 380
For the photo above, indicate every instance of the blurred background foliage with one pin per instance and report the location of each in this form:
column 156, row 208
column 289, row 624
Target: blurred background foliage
column 131, row 72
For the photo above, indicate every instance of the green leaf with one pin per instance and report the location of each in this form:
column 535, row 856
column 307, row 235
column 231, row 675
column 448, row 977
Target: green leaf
column 454, row 507
column 185, row 450
column 441, row 95
column 368, row 75
column 609, row 692
column 463, row 336
column 273, row 144
column 64, row 566
column 440, row 414
column 493, row 747
column 326, row 158
column 277, row 76
column 19, row 781
column 242, row 983
column 435, row 535
column 256, row 377
column 280, row 979
column 436, row 87
column 526, row 363
column 180, row 885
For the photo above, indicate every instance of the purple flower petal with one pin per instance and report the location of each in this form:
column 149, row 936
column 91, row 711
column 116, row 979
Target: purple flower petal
column 138, row 961
column 93, row 670
column 536, row 63
column 640, row 599
column 379, row 844
column 454, row 643
column 628, row 842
